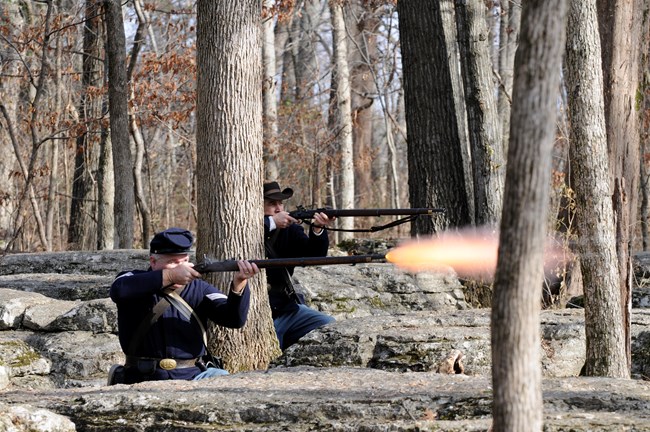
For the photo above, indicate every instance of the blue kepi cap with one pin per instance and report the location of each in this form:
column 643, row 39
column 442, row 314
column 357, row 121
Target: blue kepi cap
column 171, row 241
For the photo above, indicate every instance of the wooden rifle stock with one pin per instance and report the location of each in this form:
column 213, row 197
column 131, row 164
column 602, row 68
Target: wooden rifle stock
column 302, row 213
column 209, row 266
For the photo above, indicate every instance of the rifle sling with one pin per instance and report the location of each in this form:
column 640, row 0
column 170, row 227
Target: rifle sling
column 288, row 288
column 374, row 228
column 179, row 300
column 170, row 296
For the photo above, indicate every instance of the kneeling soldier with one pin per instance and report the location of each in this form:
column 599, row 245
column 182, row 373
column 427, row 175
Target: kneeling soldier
column 162, row 313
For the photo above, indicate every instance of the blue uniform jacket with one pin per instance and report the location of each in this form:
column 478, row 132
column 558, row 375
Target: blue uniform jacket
column 290, row 242
column 172, row 336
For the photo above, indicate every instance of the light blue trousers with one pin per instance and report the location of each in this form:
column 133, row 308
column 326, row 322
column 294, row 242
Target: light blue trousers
column 291, row 327
column 211, row 372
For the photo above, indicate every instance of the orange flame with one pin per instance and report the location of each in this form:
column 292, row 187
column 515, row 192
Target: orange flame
column 470, row 253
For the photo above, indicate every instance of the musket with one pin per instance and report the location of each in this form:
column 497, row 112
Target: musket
column 209, row 266
column 302, row 213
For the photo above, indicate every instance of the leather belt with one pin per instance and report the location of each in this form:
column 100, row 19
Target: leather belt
column 162, row 363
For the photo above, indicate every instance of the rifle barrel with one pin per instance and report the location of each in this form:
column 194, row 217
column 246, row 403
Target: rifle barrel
column 231, row 265
column 306, row 214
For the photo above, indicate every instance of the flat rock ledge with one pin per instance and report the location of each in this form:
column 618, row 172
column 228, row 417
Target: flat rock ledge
column 326, row 399
column 375, row 369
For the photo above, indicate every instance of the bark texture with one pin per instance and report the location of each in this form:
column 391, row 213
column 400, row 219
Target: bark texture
column 118, row 108
column 9, row 94
column 361, row 24
column 605, row 333
column 434, row 149
column 342, row 112
column 229, row 166
column 82, row 229
column 509, row 40
column 619, row 28
column 488, row 162
column 269, row 87
column 516, row 368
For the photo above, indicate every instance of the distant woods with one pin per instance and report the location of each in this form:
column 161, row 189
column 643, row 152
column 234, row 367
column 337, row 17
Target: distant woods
column 363, row 104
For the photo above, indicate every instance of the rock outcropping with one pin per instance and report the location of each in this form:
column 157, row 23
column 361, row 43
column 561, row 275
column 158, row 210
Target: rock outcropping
column 384, row 365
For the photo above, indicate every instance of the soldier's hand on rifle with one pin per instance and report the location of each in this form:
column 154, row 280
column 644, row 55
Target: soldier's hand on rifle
column 246, row 271
column 180, row 275
column 321, row 220
column 283, row 219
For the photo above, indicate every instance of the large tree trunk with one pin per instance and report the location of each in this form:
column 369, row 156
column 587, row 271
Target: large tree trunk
column 594, row 214
column 82, row 232
column 619, row 27
column 516, row 369
column 435, row 155
column 118, row 108
column 341, row 110
column 229, row 167
column 488, row 162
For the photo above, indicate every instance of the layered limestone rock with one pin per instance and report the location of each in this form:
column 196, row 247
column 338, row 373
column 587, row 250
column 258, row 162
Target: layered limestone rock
column 376, row 368
column 333, row 399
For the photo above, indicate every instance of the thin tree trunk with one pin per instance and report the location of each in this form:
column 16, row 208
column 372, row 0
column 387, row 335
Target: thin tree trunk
column 270, row 110
column 105, row 174
column 645, row 134
column 106, row 195
column 140, row 198
column 363, row 54
column 306, row 70
column 118, row 107
column 594, row 214
column 510, row 24
column 136, row 134
column 448, row 19
column 37, row 99
column 516, row 369
column 9, row 95
column 29, row 188
column 343, row 113
column 645, row 193
column 52, row 199
column 287, row 90
column 34, row 122
column 361, row 25
column 488, row 160
column 392, row 157
column 619, row 28
column 81, row 233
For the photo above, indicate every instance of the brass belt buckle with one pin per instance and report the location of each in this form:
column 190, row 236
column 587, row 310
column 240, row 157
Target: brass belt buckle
column 167, row 364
